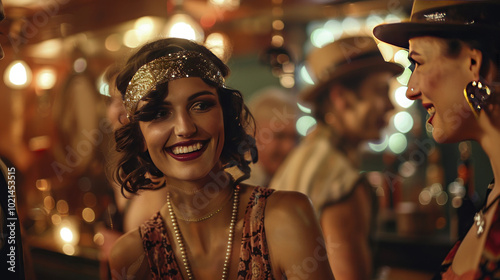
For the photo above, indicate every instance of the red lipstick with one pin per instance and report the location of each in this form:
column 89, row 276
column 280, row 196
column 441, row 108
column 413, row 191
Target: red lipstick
column 186, row 156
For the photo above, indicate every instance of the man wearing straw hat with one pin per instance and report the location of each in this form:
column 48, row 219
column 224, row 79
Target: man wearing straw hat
column 351, row 105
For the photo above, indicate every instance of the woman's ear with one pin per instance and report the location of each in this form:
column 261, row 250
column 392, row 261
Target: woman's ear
column 475, row 58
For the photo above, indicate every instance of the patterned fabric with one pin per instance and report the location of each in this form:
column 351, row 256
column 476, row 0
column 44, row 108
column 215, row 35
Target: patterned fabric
column 489, row 264
column 254, row 264
column 318, row 169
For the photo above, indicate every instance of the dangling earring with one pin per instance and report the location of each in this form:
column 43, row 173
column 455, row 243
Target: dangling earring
column 477, row 95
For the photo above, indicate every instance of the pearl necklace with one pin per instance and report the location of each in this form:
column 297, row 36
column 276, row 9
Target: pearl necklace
column 229, row 248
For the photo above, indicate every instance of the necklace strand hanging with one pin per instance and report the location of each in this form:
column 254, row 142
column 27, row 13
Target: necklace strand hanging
column 479, row 219
column 180, row 242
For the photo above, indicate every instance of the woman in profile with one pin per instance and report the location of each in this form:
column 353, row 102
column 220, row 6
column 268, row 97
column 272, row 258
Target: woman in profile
column 454, row 47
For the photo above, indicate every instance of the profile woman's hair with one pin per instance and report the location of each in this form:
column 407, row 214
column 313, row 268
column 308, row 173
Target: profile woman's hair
column 135, row 169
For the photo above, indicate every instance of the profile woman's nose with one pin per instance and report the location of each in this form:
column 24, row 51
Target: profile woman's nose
column 413, row 91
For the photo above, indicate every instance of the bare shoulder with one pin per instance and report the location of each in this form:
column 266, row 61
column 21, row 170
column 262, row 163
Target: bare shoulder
column 289, row 204
column 289, row 213
column 127, row 257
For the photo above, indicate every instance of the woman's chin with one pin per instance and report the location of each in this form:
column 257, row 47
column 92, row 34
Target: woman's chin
column 443, row 137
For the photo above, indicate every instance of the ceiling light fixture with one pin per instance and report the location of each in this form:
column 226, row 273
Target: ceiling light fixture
column 182, row 25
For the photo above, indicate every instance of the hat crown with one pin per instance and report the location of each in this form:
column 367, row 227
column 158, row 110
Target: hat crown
column 458, row 19
column 466, row 12
column 324, row 61
column 347, row 58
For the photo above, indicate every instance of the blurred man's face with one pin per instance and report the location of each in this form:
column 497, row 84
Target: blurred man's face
column 2, row 16
column 369, row 110
column 275, row 139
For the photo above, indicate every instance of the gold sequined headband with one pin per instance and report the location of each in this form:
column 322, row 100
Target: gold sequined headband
column 171, row 67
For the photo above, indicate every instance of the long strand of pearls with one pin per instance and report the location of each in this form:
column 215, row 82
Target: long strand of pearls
column 180, row 242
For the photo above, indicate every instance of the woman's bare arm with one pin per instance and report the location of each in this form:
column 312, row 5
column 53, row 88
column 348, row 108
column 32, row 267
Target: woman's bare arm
column 127, row 258
column 294, row 237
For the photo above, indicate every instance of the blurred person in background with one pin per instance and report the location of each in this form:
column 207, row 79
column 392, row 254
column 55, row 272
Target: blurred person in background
column 454, row 47
column 275, row 114
column 351, row 104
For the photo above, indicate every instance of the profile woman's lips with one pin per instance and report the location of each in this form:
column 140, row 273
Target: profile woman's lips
column 431, row 110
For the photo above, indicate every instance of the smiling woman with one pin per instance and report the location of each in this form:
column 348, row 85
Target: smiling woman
column 186, row 128
column 455, row 50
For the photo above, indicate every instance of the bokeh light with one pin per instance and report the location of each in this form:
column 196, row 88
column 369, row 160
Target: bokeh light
column 80, row 65
column 68, row 249
column 17, row 75
column 401, row 99
column 334, row 27
column 397, row 143
column 404, row 78
column 304, row 109
column 401, row 57
column 380, row 146
column 304, row 74
column 46, row 78
column 66, row 234
column 304, row 124
column 88, row 215
column 351, row 26
column 403, row 121
column 321, row 37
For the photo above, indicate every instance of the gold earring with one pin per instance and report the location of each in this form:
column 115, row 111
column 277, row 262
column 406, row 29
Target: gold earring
column 477, row 94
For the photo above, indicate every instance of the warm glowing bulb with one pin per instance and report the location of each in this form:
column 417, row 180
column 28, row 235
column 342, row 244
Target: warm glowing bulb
column 218, row 44
column 66, row 234
column 184, row 26
column 17, row 75
column 46, row 78
column 226, row 4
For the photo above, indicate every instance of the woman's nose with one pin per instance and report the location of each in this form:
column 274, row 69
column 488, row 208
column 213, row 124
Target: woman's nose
column 185, row 126
column 413, row 91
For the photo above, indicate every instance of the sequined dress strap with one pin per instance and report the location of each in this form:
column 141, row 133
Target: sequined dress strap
column 158, row 250
column 255, row 262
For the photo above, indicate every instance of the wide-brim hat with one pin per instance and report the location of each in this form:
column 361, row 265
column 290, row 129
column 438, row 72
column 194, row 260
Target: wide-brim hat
column 460, row 19
column 344, row 58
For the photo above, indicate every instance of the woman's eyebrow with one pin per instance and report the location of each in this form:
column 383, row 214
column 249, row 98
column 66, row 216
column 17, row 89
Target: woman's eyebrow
column 201, row 93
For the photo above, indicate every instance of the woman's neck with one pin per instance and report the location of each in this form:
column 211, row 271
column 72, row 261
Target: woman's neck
column 199, row 197
column 490, row 144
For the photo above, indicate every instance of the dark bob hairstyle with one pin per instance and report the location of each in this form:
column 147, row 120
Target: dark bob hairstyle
column 135, row 169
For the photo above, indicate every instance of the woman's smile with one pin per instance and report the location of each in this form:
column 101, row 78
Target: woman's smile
column 187, row 150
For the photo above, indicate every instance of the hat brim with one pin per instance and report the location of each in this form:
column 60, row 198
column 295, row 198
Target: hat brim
column 375, row 64
column 398, row 34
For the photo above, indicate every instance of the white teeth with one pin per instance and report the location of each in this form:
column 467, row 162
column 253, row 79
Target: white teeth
column 186, row 149
column 431, row 111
